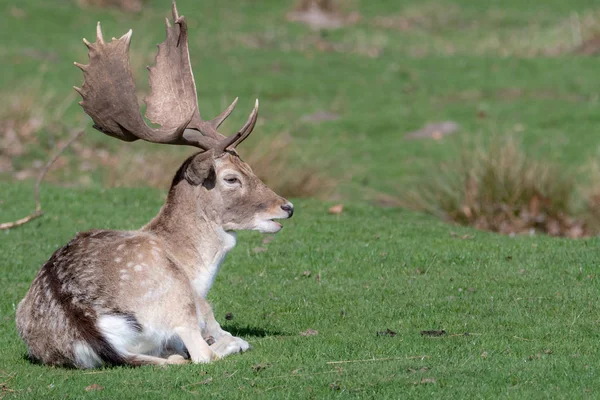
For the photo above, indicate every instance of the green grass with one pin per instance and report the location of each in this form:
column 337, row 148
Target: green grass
column 530, row 304
column 249, row 50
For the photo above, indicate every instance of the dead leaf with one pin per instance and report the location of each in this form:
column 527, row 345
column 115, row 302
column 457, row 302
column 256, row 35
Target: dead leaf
column 309, row 332
column 427, row 380
column 259, row 250
column 306, row 273
column 95, row 387
column 484, row 355
column 336, row 209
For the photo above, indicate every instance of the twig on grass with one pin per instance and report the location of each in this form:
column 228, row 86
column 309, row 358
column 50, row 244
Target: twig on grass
column 466, row 334
column 38, row 206
column 290, row 375
column 376, row 359
column 204, row 382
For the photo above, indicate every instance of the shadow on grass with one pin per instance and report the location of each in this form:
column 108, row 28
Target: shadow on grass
column 245, row 331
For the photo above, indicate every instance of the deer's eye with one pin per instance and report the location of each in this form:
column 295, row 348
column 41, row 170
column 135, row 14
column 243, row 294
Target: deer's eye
column 232, row 180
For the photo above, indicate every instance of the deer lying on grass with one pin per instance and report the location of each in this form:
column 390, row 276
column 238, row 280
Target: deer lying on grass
column 139, row 297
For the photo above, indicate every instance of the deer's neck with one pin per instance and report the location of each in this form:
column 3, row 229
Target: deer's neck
column 193, row 236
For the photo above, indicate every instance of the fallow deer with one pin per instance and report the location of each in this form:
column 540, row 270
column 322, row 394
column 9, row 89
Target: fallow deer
column 139, row 297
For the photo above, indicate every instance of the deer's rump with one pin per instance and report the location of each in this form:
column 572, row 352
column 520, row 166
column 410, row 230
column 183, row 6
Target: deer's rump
column 58, row 317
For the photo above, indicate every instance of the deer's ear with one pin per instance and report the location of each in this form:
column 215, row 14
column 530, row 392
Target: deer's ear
column 201, row 170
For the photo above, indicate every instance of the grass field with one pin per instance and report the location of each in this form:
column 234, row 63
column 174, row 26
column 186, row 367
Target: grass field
column 530, row 305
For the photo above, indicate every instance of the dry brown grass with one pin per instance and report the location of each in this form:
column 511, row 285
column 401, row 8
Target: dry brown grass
column 591, row 195
column 427, row 16
column 500, row 188
column 273, row 160
column 31, row 124
column 575, row 33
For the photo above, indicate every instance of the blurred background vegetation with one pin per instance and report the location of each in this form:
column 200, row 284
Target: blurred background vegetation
column 397, row 103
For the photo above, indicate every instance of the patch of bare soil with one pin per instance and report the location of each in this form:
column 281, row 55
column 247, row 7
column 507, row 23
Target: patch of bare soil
column 435, row 131
column 321, row 14
column 134, row 6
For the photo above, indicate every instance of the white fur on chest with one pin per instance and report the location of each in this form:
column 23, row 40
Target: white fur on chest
column 208, row 272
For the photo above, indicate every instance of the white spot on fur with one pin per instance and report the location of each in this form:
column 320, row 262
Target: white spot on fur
column 153, row 243
column 85, row 357
column 130, row 264
column 125, row 277
column 137, row 268
column 140, row 256
column 121, row 247
column 118, row 259
column 123, row 271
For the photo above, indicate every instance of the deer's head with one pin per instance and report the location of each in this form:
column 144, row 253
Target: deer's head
column 226, row 187
column 217, row 179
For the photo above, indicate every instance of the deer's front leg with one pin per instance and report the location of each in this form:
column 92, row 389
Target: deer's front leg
column 221, row 342
column 200, row 351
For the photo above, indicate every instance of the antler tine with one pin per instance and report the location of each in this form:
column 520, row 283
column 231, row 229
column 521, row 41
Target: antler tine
column 175, row 12
column 99, row 37
column 218, row 120
column 248, row 126
column 233, row 140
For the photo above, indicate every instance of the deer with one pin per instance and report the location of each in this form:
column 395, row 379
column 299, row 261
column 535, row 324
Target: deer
column 139, row 297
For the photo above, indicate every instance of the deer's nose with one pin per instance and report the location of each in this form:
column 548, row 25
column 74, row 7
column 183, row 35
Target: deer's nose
column 288, row 208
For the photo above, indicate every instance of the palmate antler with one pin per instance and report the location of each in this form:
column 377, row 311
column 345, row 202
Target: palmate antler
column 109, row 95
